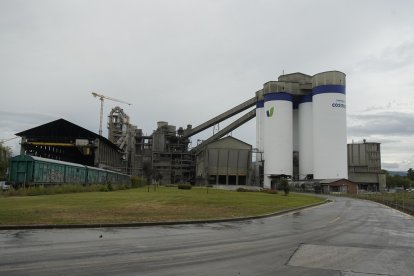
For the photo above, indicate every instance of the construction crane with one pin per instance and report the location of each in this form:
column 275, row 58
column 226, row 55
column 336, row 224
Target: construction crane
column 101, row 98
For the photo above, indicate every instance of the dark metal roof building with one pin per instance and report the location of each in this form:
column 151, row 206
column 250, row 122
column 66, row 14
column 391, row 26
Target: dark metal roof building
column 66, row 141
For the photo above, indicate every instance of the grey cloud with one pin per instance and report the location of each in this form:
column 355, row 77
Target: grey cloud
column 19, row 121
column 383, row 123
column 388, row 166
column 378, row 107
column 391, row 58
column 183, row 61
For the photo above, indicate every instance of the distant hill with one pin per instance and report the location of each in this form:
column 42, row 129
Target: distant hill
column 392, row 173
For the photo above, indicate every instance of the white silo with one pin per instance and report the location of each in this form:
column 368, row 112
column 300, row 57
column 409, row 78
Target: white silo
column 305, row 119
column 277, row 121
column 329, row 125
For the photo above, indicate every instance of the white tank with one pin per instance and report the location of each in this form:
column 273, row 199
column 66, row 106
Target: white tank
column 295, row 129
column 329, row 125
column 305, row 121
column 278, row 124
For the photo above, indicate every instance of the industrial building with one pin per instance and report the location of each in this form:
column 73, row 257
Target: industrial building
column 364, row 166
column 338, row 186
column 300, row 135
column 225, row 162
column 65, row 141
column 122, row 133
column 166, row 153
column 162, row 156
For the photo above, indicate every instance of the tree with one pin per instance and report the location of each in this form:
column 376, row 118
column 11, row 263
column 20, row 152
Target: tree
column 5, row 154
column 410, row 174
column 148, row 171
column 398, row 181
column 284, row 185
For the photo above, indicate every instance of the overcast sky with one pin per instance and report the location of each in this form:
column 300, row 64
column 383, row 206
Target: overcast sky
column 185, row 61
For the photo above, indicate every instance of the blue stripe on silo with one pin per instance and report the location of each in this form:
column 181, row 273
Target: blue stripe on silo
column 260, row 104
column 305, row 99
column 280, row 96
column 330, row 88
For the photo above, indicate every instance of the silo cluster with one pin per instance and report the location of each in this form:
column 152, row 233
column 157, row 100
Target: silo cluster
column 301, row 127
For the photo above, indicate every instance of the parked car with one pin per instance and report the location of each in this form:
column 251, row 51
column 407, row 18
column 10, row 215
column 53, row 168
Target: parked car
column 4, row 186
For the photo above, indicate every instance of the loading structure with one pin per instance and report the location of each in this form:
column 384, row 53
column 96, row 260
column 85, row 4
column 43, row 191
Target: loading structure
column 300, row 135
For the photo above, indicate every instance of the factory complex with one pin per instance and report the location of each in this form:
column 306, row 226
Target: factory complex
column 300, row 136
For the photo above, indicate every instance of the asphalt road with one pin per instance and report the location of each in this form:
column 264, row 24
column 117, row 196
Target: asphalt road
column 345, row 237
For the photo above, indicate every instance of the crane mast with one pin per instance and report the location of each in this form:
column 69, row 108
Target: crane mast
column 101, row 98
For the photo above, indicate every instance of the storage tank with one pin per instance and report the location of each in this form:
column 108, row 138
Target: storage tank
column 278, row 124
column 305, row 122
column 329, row 125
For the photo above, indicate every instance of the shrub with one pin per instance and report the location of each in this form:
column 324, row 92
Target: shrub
column 171, row 185
column 269, row 191
column 243, row 190
column 110, row 188
column 184, row 186
column 103, row 188
column 136, row 182
column 51, row 189
column 284, row 185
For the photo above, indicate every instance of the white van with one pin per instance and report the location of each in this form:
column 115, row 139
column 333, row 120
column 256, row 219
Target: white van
column 4, row 186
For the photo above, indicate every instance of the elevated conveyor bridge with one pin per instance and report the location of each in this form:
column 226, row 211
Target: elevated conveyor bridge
column 224, row 116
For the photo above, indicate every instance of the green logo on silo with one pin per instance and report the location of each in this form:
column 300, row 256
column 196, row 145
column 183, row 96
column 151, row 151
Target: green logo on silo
column 269, row 112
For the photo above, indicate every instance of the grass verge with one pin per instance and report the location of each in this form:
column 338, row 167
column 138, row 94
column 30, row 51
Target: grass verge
column 139, row 205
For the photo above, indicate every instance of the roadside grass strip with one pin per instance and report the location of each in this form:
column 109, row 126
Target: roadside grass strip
column 165, row 204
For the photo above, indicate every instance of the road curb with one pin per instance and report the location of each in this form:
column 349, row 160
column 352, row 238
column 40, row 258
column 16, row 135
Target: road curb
column 145, row 224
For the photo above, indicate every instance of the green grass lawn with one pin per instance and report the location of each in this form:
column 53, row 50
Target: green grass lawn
column 139, row 205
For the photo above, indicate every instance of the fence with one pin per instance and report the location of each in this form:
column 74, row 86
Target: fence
column 403, row 201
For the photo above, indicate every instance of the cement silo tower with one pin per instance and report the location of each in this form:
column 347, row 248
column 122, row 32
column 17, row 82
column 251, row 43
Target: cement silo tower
column 278, row 128
column 302, row 123
column 305, row 118
column 329, row 125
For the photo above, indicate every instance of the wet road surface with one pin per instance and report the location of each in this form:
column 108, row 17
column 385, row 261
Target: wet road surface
column 345, row 237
